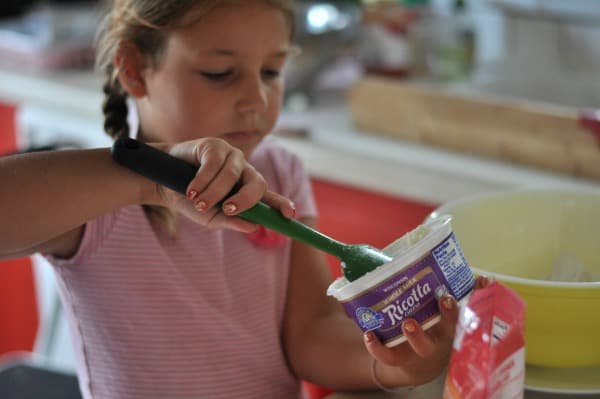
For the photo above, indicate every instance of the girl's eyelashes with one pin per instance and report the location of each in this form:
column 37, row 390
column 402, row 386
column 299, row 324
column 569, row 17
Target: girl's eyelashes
column 267, row 74
column 216, row 76
column 271, row 73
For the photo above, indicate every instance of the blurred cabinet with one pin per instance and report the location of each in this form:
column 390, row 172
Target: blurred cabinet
column 8, row 135
column 18, row 306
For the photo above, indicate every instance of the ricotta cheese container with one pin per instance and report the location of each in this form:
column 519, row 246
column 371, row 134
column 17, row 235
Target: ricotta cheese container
column 427, row 263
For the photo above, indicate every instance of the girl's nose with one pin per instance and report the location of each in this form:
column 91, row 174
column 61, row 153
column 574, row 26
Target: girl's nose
column 253, row 96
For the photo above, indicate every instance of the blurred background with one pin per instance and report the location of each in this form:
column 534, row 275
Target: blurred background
column 543, row 49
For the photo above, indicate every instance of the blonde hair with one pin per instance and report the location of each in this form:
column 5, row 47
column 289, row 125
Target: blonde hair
column 147, row 23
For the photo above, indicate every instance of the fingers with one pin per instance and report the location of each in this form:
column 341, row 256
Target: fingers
column 420, row 342
column 378, row 350
column 449, row 311
column 224, row 169
column 482, row 282
column 283, row 204
column 252, row 187
column 221, row 167
column 437, row 340
column 427, row 351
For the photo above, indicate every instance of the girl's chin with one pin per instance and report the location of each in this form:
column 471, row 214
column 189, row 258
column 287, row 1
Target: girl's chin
column 241, row 137
column 244, row 141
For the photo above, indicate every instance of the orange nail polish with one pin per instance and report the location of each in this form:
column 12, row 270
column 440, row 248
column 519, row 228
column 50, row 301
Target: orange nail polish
column 448, row 303
column 485, row 282
column 230, row 208
column 201, row 206
column 409, row 326
column 192, row 194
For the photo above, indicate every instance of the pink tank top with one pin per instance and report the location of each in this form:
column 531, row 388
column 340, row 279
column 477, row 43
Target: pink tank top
column 199, row 316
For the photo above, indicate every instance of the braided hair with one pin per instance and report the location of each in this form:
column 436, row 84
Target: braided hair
column 114, row 108
column 116, row 126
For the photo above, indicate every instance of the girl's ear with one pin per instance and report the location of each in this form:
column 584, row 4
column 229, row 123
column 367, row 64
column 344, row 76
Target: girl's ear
column 129, row 63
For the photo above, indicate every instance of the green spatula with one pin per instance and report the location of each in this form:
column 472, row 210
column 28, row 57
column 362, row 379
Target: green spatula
column 176, row 174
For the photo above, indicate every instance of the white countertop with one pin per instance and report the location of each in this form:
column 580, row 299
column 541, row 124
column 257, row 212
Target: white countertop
column 333, row 150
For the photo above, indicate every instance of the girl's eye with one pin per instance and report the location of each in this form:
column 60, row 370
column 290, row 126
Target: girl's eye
column 270, row 73
column 216, row 76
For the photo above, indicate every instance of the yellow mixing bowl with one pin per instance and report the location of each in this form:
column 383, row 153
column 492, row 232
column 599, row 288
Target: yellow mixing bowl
column 528, row 239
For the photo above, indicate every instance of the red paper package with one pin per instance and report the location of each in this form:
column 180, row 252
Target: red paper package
column 488, row 357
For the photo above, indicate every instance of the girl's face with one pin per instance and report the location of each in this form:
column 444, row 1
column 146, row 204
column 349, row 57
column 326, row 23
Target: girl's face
column 220, row 77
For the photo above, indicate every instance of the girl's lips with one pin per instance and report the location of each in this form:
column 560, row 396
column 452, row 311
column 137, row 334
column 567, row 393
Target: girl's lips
column 240, row 136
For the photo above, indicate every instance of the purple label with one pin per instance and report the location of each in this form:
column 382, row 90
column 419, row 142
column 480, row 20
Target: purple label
column 412, row 292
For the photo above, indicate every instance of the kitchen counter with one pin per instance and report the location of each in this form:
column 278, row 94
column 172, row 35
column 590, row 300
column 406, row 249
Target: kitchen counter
column 431, row 393
column 433, row 390
column 69, row 102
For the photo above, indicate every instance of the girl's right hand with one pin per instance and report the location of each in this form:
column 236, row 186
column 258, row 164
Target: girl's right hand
column 221, row 168
column 425, row 354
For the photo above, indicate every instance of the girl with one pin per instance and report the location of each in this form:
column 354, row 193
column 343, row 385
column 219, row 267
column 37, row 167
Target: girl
column 171, row 297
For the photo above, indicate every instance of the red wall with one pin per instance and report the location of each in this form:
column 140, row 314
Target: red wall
column 18, row 307
column 7, row 129
column 357, row 216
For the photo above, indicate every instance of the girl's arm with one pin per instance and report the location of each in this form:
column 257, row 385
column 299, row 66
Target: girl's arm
column 46, row 197
column 324, row 346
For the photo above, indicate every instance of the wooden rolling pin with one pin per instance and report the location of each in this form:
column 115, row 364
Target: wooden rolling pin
column 557, row 138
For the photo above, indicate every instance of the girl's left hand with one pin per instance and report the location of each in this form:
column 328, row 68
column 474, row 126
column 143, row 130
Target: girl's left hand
column 221, row 168
column 425, row 354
